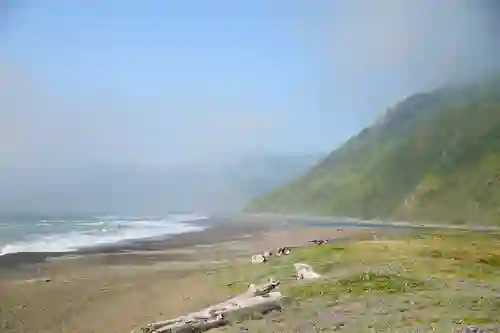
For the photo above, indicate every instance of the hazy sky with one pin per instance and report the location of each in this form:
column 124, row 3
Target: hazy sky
column 162, row 82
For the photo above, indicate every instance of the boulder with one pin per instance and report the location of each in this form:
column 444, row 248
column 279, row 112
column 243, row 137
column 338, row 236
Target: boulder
column 305, row 272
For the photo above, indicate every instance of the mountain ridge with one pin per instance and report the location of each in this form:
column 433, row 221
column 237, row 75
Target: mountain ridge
column 429, row 157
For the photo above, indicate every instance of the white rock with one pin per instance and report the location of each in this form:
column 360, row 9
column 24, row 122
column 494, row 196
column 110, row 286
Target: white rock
column 258, row 259
column 283, row 251
column 305, row 272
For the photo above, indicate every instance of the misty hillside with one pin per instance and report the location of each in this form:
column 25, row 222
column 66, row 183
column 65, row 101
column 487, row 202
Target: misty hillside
column 433, row 156
column 218, row 186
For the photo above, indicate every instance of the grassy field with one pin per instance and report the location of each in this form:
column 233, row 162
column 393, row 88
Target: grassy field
column 413, row 282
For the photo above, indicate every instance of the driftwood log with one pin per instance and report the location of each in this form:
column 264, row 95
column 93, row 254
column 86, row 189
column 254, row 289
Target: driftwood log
column 257, row 299
column 319, row 241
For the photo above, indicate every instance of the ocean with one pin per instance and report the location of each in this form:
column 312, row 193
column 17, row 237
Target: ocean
column 65, row 234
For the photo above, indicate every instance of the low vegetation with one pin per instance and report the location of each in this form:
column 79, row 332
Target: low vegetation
column 435, row 282
column 433, row 156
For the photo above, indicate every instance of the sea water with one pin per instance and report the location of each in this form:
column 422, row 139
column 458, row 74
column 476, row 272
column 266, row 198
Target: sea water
column 64, row 234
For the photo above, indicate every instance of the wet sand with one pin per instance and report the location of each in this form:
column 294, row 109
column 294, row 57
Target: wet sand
column 119, row 288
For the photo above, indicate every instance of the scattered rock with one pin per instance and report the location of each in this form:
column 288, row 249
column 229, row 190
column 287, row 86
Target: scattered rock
column 258, row 259
column 283, row 251
column 471, row 329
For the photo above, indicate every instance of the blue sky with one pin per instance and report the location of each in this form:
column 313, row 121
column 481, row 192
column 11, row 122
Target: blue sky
column 162, row 82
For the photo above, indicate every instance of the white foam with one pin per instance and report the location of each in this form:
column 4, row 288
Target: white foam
column 90, row 223
column 43, row 224
column 97, row 234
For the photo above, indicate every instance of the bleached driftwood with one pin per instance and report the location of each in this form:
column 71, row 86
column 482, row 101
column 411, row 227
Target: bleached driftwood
column 319, row 241
column 258, row 259
column 259, row 299
column 305, row 272
column 195, row 324
column 261, row 290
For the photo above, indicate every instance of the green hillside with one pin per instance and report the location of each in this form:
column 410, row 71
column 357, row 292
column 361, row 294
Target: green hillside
column 433, row 156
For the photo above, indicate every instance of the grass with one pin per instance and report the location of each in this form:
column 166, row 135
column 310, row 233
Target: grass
column 385, row 283
column 355, row 285
column 440, row 148
column 417, row 282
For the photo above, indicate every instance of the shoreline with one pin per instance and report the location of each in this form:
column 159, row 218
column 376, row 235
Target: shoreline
column 315, row 220
column 220, row 229
column 215, row 230
column 121, row 288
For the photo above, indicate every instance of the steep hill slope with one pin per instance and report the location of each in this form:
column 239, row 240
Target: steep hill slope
column 433, row 156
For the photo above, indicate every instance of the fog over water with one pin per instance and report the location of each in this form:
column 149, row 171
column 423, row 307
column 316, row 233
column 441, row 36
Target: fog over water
column 130, row 106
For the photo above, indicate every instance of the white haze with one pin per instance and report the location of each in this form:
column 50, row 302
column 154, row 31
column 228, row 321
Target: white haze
column 372, row 52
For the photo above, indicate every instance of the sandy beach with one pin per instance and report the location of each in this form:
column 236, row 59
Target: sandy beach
column 120, row 288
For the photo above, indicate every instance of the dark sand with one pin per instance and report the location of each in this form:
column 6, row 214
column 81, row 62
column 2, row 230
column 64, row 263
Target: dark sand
column 118, row 288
